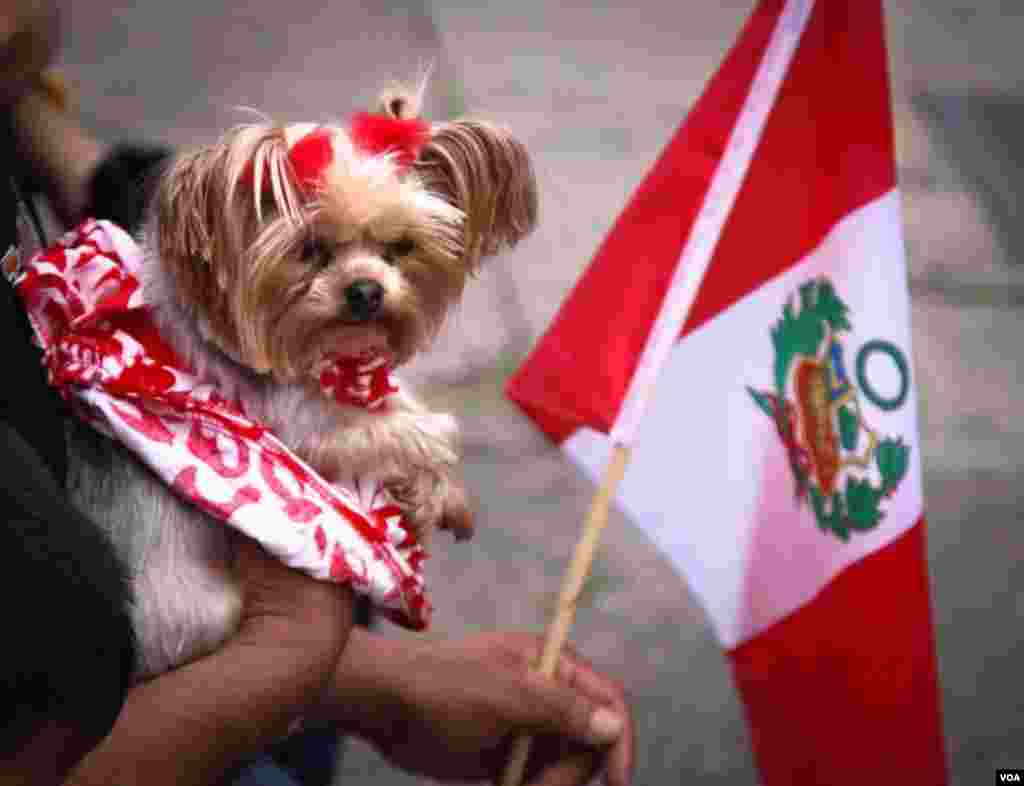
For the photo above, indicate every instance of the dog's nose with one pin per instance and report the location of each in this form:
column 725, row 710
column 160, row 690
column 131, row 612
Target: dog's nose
column 364, row 298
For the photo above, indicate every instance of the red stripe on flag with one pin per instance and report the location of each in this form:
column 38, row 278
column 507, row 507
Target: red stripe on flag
column 844, row 691
column 579, row 372
column 826, row 150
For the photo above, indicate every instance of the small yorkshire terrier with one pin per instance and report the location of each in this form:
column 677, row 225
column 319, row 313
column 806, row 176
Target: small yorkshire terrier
column 268, row 253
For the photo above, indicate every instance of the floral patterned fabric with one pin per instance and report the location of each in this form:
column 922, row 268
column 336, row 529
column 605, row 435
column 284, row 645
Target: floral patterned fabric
column 104, row 354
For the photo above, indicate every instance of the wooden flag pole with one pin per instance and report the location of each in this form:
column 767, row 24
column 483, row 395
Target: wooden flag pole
column 572, row 585
column 693, row 263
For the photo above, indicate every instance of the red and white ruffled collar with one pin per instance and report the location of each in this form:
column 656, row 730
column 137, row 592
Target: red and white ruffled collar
column 103, row 352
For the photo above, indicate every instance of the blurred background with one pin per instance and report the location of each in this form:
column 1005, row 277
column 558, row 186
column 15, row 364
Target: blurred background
column 594, row 93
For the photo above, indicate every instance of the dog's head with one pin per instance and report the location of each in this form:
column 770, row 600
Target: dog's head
column 293, row 243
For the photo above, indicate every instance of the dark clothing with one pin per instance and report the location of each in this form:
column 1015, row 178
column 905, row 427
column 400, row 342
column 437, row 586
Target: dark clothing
column 67, row 595
column 70, row 652
column 123, row 183
column 27, row 403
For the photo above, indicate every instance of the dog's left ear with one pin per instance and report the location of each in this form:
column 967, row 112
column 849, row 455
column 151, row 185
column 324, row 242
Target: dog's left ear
column 484, row 171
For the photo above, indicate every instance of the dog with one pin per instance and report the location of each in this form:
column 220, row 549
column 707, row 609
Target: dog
column 269, row 253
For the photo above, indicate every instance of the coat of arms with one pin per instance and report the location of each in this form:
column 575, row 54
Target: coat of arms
column 839, row 462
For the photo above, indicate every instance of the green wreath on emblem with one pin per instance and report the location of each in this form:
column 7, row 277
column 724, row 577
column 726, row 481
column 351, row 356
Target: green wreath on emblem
column 886, row 348
column 824, row 406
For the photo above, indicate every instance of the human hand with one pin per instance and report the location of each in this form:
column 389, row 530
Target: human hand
column 451, row 709
column 287, row 610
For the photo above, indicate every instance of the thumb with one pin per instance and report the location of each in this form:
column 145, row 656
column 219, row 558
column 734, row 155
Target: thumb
column 551, row 708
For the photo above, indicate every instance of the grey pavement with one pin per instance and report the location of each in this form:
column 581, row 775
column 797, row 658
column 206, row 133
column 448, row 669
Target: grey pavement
column 595, row 93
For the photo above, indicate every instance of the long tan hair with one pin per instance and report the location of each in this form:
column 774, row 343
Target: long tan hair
column 478, row 167
column 207, row 213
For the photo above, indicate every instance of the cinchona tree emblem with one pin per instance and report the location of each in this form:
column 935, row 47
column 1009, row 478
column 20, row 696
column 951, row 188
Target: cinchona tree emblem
column 839, row 462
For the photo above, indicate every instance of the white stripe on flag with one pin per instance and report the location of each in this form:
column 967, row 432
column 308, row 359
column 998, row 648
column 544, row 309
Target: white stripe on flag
column 703, row 238
column 708, row 479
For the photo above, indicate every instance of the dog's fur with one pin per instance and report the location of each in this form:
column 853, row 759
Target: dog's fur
column 248, row 285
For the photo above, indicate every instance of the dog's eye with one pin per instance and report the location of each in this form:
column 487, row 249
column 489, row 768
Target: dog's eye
column 398, row 249
column 315, row 252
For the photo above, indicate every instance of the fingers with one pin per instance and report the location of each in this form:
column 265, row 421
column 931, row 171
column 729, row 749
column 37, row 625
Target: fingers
column 580, row 705
column 579, row 674
column 269, row 584
column 590, row 691
column 553, row 708
column 574, row 769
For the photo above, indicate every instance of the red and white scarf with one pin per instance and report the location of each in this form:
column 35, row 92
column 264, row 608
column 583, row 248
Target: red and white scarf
column 104, row 354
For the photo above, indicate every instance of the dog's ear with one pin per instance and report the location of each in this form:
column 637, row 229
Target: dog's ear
column 484, row 171
column 208, row 210
column 210, row 196
column 185, row 223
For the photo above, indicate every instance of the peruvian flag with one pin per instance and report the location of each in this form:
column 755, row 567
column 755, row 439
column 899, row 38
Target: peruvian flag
column 751, row 305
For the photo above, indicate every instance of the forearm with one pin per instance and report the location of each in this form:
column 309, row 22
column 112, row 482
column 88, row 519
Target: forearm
column 196, row 724
column 363, row 698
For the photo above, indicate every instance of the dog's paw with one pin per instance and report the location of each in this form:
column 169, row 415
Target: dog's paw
column 432, row 500
column 457, row 513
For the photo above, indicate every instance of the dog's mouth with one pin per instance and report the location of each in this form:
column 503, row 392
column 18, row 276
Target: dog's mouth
column 397, row 328
column 356, row 322
column 351, row 339
column 364, row 362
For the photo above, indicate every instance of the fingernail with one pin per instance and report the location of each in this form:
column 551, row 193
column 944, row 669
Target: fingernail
column 605, row 726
